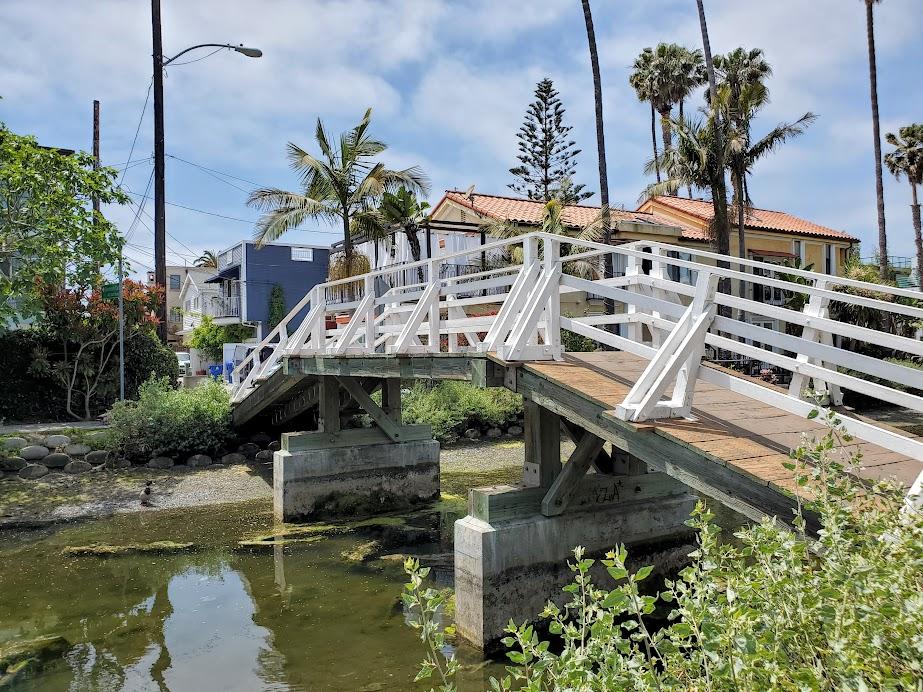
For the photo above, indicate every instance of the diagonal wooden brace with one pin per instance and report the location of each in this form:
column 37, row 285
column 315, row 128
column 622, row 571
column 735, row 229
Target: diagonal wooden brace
column 559, row 494
column 388, row 425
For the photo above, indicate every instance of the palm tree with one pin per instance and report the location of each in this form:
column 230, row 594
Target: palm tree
column 883, row 268
column 907, row 160
column 207, row 260
column 553, row 222
column 600, row 143
column 642, row 80
column 690, row 75
column 344, row 185
column 741, row 93
column 720, row 225
column 658, row 78
column 401, row 210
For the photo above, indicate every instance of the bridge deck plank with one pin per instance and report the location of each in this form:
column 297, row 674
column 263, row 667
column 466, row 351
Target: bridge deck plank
column 731, row 428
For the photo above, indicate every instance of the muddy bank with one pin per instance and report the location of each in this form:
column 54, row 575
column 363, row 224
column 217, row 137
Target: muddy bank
column 63, row 498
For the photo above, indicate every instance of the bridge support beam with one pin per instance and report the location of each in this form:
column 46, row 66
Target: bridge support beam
column 510, row 559
column 361, row 471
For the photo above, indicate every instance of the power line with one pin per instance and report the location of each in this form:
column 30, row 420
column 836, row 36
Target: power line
column 189, row 62
column 140, row 208
column 223, row 216
column 134, row 141
column 214, row 170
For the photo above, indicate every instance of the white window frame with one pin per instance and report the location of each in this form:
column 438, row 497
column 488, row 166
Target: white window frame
column 798, row 251
column 302, row 254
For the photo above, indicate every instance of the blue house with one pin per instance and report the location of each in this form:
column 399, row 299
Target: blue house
column 239, row 291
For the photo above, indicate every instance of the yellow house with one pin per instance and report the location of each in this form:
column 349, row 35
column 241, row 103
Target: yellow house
column 771, row 236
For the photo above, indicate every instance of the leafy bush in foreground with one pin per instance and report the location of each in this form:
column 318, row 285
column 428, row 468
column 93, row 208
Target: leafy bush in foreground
column 171, row 422
column 775, row 609
column 452, row 407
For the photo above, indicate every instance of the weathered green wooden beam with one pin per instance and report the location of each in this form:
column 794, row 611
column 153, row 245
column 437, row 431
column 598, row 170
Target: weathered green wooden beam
column 302, row 441
column 542, row 445
column 266, row 394
column 434, row 366
column 387, row 424
column 695, row 469
column 565, row 485
column 594, row 491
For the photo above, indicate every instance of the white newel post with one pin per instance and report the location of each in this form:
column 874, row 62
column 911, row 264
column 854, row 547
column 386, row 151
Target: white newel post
column 434, row 278
column 817, row 306
column 632, row 272
column 553, row 267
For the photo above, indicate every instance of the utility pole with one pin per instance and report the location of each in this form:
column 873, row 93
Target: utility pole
column 160, row 212
column 96, row 148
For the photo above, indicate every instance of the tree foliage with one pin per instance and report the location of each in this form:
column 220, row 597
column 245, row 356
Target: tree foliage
column 776, row 608
column 210, row 338
column 907, row 161
column 276, row 305
column 343, row 185
column 547, row 155
column 80, row 341
column 48, row 230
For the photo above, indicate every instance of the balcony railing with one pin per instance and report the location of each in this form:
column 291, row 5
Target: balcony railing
column 222, row 306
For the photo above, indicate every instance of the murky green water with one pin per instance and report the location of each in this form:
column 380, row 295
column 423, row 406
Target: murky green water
column 289, row 618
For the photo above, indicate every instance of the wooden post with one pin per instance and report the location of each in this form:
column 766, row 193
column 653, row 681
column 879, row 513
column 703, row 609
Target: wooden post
column 328, row 404
column 391, row 398
column 543, row 445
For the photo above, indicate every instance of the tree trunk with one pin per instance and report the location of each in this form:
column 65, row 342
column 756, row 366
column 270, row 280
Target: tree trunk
column 600, row 133
column 414, row 241
column 740, row 203
column 666, row 131
column 682, row 122
column 654, row 141
column 917, row 232
column 720, row 222
column 884, row 269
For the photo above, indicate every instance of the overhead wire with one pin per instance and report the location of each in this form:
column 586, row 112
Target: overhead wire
column 134, row 141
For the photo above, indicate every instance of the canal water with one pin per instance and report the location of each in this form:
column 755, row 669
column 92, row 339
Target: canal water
column 293, row 617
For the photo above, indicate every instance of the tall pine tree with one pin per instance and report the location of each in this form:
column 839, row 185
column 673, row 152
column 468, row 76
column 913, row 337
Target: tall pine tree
column 546, row 154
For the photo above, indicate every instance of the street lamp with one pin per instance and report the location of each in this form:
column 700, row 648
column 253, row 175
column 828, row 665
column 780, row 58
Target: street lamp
column 160, row 215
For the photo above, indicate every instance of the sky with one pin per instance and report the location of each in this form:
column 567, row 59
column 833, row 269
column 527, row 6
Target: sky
column 448, row 82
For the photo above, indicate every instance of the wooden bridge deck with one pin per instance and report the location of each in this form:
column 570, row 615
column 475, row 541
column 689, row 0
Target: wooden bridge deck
column 730, row 429
column 733, row 448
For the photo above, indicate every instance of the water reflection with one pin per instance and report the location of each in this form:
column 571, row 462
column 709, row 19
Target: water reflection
column 215, row 619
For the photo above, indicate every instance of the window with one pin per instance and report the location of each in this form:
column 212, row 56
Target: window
column 302, row 254
column 174, row 282
column 176, row 315
column 681, row 274
column 798, row 251
column 829, row 259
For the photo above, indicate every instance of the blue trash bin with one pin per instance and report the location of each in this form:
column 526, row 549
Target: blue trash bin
column 228, row 369
column 215, row 371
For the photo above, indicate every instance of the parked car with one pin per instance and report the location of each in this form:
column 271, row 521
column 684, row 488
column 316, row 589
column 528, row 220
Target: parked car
column 185, row 363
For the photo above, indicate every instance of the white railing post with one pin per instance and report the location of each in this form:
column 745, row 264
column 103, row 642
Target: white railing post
column 678, row 358
column 554, row 267
column 818, row 306
column 632, row 272
column 433, row 337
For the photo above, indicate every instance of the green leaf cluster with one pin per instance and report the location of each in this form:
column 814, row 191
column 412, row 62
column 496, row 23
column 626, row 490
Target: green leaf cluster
column 172, row 422
column 210, row 338
column 453, row 407
column 49, row 233
column 774, row 608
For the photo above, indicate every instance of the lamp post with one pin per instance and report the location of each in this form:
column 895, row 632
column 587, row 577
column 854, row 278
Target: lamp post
column 160, row 215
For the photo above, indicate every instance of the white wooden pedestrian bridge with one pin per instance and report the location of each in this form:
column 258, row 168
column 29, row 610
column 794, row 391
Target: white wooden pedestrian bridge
column 673, row 415
column 652, row 394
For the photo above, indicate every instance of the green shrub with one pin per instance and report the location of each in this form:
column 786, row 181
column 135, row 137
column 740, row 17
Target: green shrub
column 172, row 422
column 452, row 407
column 27, row 394
column 210, row 338
column 774, row 609
column 576, row 343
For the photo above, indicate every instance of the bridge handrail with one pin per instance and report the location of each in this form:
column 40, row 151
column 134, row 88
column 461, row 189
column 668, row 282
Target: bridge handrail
column 658, row 312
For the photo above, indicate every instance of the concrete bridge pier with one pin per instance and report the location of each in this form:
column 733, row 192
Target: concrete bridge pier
column 511, row 551
column 360, row 471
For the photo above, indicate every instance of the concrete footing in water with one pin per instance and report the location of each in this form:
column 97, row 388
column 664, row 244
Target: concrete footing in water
column 352, row 472
column 510, row 559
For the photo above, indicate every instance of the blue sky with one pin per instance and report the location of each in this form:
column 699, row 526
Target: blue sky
column 449, row 81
